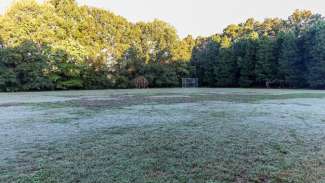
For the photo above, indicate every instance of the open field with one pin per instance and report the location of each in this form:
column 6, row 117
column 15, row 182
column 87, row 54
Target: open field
column 163, row 135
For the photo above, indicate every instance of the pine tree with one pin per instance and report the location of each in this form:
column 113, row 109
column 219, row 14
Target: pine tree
column 266, row 63
column 291, row 61
column 246, row 58
column 226, row 69
column 315, row 60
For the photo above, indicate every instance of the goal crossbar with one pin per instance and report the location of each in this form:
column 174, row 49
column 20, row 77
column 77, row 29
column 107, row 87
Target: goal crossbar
column 190, row 82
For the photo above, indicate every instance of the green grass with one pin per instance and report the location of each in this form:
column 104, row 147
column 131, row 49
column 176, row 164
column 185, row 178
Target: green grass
column 209, row 137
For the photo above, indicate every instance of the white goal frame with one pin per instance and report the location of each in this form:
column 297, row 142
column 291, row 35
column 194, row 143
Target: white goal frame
column 190, row 82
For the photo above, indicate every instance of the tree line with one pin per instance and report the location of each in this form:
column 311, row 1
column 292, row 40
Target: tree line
column 59, row 45
column 274, row 53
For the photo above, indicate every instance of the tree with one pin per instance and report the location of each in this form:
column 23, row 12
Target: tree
column 24, row 68
column 315, row 60
column 8, row 80
column 266, row 63
column 183, row 49
column 158, row 40
column 61, row 45
column 301, row 20
column 204, row 58
column 245, row 52
column 226, row 72
column 291, row 62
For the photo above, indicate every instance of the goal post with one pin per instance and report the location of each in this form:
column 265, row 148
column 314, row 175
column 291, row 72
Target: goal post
column 190, row 82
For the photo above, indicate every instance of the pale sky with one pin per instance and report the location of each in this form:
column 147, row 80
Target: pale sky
column 200, row 17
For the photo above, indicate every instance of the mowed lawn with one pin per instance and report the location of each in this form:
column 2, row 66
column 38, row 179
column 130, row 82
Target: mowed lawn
column 163, row 135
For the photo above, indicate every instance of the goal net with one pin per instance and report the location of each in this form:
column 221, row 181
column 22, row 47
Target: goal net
column 190, row 82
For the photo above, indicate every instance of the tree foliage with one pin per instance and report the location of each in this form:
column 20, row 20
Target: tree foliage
column 61, row 45
column 272, row 53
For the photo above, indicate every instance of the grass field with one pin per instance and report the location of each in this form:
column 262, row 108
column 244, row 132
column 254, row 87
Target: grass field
column 163, row 135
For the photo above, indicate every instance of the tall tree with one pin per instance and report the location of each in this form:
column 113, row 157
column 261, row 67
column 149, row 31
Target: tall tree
column 266, row 62
column 204, row 58
column 61, row 45
column 226, row 71
column 291, row 61
column 315, row 60
column 245, row 52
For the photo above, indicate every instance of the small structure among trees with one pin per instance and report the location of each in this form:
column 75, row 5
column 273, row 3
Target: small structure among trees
column 141, row 82
column 190, row 82
column 275, row 84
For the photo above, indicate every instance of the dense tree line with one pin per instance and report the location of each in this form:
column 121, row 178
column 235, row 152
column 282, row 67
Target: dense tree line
column 60, row 45
column 274, row 53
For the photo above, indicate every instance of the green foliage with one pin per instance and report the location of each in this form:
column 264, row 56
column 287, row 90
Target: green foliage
column 245, row 52
column 273, row 53
column 161, row 76
column 204, row 58
column 226, row 69
column 60, row 45
column 266, row 64
column 24, row 68
column 290, row 61
column 315, row 60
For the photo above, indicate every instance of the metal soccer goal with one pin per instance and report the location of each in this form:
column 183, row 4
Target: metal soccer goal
column 190, row 82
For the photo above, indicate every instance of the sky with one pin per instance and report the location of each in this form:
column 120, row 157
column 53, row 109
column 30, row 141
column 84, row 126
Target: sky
column 200, row 17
